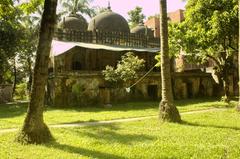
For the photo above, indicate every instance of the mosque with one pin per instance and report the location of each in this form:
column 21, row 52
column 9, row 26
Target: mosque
column 80, row 51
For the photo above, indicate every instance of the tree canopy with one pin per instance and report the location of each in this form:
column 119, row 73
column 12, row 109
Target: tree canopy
column 136, row 16
column 212, row 24
column 74, row 6
column 10, row 34
column 210, row 31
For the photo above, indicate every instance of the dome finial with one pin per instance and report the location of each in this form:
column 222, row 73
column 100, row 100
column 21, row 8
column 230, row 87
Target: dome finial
column 109, row 5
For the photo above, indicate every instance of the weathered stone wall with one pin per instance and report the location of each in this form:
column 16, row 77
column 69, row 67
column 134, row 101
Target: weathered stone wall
column 83, row 88
column 191, row 85
column 74, row 89
column 6, row 93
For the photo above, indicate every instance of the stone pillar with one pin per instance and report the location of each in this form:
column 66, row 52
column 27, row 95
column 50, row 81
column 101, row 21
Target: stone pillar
column 105, row 96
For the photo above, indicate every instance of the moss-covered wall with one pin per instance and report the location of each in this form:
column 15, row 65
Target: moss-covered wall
column 86, row 85
column 191, row 85
column 81, row 89
column 74, row 90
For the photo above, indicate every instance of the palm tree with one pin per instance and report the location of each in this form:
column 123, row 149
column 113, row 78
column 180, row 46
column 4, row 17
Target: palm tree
column 238, row 107
column 74, row 6
column 168, row 111
column 34, row 129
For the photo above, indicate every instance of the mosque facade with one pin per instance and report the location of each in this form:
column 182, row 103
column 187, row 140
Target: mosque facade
column 81, row 50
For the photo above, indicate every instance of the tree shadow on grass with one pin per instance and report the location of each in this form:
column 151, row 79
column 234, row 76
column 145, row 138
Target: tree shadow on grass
column 141, row 105
column 135, row 105
column 12, row 110
column 112, row 134
column 82, row 151
column 210, row 126
column 187, row 102
column 102, row 134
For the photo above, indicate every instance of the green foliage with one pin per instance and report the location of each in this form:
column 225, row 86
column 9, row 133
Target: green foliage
column 77, row 90
column 136, row 16
column 211, row 28
column 21, row 91
column 175, row 41
column 158, row 58
column 110, row 74
column 175, row 35
column 10, row 35
column 27, row 52
column 126, row 69
column 210, row 31
column 31, row 6
column 18, row 37
column 74, row 6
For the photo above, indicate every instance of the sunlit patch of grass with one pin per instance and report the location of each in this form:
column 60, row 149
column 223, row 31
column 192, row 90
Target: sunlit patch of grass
column 12, row 116
column 208, row 135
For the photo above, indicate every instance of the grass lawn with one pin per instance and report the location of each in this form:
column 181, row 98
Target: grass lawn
column 209, row 135
column 12, row 116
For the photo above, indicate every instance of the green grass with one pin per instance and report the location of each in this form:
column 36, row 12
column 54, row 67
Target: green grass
column 211, row 135
column 12, row 116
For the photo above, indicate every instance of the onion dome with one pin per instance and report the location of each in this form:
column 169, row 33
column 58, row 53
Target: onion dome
column 109, row 21
column 74, row 22
column 141, row 29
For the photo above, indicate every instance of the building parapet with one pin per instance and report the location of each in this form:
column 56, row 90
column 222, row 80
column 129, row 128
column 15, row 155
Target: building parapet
column 110, row 38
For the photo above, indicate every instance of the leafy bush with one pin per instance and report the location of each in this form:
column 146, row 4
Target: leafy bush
column 21, row 92
column 126, row 69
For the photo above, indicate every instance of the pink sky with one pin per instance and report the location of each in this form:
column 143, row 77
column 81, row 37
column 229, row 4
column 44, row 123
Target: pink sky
column 150, row 7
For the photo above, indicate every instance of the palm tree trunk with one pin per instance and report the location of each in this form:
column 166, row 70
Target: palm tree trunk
column 238, row 106
column 15, row 76
column 29, row 84
column 34, row 129
column 168, row 111
column 1, row 70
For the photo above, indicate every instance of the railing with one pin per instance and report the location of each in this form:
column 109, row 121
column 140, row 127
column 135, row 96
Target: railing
column 111, row 38
column 73, row 35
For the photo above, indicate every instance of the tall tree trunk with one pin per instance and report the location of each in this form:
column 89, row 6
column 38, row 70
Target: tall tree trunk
column 1, row 70
column 29, row 84
column 226, row 97
column 34, row 129
column 168, row 111
column 1, row 76
column 238, row 107
column 226, row 84
column 15, row 76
